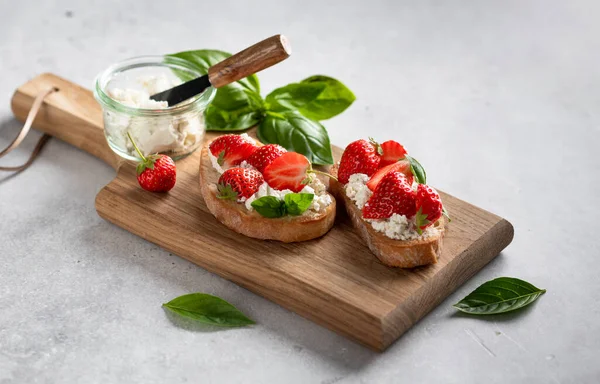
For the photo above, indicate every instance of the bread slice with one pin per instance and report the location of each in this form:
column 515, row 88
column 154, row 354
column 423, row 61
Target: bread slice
column 237, row 217
column 394, row 253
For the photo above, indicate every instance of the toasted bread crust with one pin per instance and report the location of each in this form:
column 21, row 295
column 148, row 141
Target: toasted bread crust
column 394, row 253
column 250, row 223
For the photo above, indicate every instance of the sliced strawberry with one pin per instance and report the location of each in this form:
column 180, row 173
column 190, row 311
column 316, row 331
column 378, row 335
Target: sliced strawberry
column 236, row 183
column 392, row 152
column 360, row 156
column 288, row 171
column 231, row 149
column 429, row 207
column 402, row 166
column 264, row 155
column 392, row 195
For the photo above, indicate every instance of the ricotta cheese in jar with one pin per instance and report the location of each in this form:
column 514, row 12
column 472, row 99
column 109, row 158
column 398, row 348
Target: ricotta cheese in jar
column 152, row 133
column 397, row 227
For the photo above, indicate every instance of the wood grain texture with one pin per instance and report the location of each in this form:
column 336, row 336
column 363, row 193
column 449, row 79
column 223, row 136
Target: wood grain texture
column 334, row 280
column 251, row 60
column 71, row 114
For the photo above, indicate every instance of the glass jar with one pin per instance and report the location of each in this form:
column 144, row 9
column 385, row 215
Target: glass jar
column 123, row 90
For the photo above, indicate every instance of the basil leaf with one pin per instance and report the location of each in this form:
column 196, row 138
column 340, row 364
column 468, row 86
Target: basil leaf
column 235, row 106
column 293, row 96
column 500, row 295
column 208, row 309
column 297, row 133
column 417, row 170
column 334, row 99
column 221, row 120
column 203, row 59
column 297, row 203
column 269, row 206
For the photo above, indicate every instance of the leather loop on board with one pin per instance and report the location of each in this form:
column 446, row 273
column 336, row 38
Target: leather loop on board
column 37, row 103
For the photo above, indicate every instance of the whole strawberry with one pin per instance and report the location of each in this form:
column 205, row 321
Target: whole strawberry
column 392, row 195
column 360, row 156
column 265, row 155
column 231, row 149
column 155, row 173
column 237, row 183
column 429, row 207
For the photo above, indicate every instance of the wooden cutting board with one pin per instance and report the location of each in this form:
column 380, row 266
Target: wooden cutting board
column 334, row 281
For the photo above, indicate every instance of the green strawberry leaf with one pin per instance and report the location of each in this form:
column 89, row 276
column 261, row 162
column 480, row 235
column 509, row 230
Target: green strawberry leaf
column 147, row 163
column 445, row 213
column 421, row 220
column 226, row 192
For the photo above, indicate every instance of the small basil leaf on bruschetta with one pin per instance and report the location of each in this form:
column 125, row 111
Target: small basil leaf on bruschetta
column 417, row 169
column 269, row 206
column 297, row 203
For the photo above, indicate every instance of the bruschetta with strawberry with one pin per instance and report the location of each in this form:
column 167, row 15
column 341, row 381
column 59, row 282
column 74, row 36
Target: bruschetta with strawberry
column 264, row 191
column 384, row 192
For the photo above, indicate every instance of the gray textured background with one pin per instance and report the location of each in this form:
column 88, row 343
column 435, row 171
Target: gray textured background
column 499, row 100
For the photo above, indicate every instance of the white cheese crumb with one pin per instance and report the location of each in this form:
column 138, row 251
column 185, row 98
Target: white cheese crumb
column 215, row 163
column 357, row 189
column 248, row 138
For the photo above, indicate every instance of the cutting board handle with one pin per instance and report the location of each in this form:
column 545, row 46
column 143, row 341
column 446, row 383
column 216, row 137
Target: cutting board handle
column 71, row 114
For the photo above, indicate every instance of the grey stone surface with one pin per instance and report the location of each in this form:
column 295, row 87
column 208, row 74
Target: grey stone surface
column 499, row 100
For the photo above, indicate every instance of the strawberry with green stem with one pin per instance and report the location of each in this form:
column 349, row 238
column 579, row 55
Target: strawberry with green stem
column 237, row 183
column 155, row 173
column 360, row 156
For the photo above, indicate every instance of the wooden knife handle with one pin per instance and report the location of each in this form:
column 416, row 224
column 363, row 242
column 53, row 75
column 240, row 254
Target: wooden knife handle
column 251, row 60
column 71, row 114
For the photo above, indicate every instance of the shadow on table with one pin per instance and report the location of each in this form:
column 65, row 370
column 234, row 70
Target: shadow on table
column 190, row 324
column 302, row 334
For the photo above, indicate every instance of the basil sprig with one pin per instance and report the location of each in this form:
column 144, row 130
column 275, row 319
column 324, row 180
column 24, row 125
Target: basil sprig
column 500, row 295
column 293, row 204
column 288, row 116
column 208, row 309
